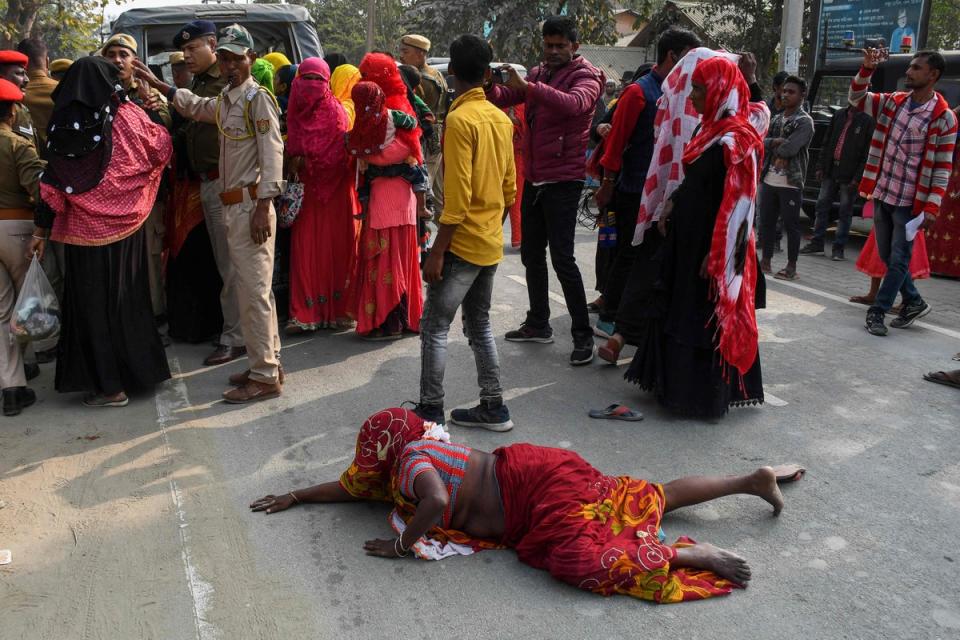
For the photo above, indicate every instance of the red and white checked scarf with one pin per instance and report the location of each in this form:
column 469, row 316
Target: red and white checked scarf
column 676, row 120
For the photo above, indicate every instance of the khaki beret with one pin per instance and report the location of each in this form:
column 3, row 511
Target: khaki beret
column 59, row 65
column 414, row 40
column 176, row 58
column 120, row 40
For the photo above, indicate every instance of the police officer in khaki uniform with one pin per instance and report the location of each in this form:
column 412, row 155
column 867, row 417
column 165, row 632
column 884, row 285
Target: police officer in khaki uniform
column 433, row 91
column 20, row 169
column 182, row 78
column 251, row 175
column 13, row 68
column 198, row 43
column 121, row 50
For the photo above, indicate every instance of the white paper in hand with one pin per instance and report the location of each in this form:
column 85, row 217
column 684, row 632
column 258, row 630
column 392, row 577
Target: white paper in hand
column 913, row 226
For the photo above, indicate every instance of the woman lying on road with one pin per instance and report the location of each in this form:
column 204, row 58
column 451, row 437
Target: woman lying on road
column 599, row 533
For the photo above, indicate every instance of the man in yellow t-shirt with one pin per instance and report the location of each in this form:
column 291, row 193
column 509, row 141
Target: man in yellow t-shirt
column 479, row 185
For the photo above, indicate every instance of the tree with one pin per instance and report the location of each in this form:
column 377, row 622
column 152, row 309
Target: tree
column 69, row 27
column 944, row 25
column 342, row 24
column 511, row 26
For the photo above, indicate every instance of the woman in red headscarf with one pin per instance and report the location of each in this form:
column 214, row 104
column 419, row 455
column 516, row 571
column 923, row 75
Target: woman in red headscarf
column 323, row 241
column 387, row 294
column 698, row 347
column 596, row 532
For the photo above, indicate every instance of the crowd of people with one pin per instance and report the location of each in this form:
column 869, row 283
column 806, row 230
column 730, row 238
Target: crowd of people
column 152, row 203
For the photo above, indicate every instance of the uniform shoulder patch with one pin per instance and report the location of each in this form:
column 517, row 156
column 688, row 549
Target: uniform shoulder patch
column 251, row 93
column 263, row 126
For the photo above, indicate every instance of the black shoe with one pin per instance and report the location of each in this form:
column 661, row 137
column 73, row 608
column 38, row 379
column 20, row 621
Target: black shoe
column 526, row 333
column 837, row 254
column 811, row 248
column 16, row 399
column 582, row 352
column 874, row 323
column 31, row 370
column 430, row 412
column 492, row 416
column 909, row 313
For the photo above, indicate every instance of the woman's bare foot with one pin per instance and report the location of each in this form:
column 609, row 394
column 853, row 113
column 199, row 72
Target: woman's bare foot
column 763, row 483
column 725, row 564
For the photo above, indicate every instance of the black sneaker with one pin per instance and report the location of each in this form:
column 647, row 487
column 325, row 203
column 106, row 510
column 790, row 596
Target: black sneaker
column 909, row 313
column 430, row 412
column 526, row 333
column 582, row 353
column 811, row 248
column 489, row 416
column 874, row 323
column 837, row 254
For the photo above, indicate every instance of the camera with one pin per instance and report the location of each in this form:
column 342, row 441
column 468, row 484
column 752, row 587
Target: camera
column 500, row 76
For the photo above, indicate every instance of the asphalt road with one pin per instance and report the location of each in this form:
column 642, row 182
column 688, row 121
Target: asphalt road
column 865, row 548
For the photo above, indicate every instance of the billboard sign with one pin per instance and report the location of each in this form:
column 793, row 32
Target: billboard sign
column 850, row 23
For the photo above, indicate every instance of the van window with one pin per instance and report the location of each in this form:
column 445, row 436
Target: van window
column 832, row 93
column 267, row 37
column 948, row 87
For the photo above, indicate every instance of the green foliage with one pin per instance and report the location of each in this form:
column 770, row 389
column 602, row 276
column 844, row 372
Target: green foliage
column 944, row 25
column 342, row 25
column 69, row 27
column 512, row 26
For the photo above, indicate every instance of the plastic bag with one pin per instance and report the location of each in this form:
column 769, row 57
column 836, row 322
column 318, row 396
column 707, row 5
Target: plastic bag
column 36, row 316
column 288, row 204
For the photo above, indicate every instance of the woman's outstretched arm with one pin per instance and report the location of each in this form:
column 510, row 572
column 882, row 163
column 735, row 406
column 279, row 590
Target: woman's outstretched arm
column 326, row 492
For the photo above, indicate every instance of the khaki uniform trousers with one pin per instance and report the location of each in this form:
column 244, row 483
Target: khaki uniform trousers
column 214, row 217
column 434, row 164
column 252, row 266
column 14, row 242
column 155, row 232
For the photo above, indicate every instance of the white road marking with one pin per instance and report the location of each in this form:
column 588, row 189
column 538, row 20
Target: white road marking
column 553, row 296
column 830, row 296
column 773, row 400
column 172, row 398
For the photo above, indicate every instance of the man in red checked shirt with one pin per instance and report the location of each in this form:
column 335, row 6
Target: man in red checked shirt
column 627, row 151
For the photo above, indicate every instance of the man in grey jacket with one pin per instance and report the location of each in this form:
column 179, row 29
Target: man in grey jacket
column 783, row 175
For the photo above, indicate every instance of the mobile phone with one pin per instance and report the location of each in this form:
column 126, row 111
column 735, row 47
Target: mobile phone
column 501, row 76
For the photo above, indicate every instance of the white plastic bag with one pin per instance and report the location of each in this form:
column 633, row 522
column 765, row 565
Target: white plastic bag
column 36, row 316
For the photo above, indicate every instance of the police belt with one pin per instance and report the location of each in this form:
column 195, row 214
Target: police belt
column 206, row 176
column 237, row 195
column 16, row 214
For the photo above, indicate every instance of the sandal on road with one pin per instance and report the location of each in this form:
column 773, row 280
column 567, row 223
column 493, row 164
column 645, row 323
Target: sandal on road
column 957, row 357
column 616, row 412
column 948, row 378
column 784, row 274
column 867, row 300
column 789, row 473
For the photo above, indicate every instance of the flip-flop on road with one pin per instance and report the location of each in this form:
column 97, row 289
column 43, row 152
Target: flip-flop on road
column 616, row 411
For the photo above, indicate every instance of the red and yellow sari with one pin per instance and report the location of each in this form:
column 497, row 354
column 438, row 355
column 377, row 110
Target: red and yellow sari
column 599, row 533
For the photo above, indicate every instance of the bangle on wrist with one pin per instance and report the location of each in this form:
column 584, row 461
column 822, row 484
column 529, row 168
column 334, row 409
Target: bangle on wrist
column 36, row 237
column 398, row 546
column 295, row 498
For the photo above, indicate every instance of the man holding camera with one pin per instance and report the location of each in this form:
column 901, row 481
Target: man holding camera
column 559, row 98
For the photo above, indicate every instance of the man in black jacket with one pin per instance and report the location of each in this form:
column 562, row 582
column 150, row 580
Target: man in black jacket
column 839, row 170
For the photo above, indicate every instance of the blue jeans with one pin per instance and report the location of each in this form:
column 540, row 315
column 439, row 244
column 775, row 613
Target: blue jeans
column 829, row 189
column 890, row 229
column 470, row 286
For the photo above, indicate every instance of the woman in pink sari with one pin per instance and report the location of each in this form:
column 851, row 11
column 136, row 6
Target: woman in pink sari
column 388, row 291
column 323, row 241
